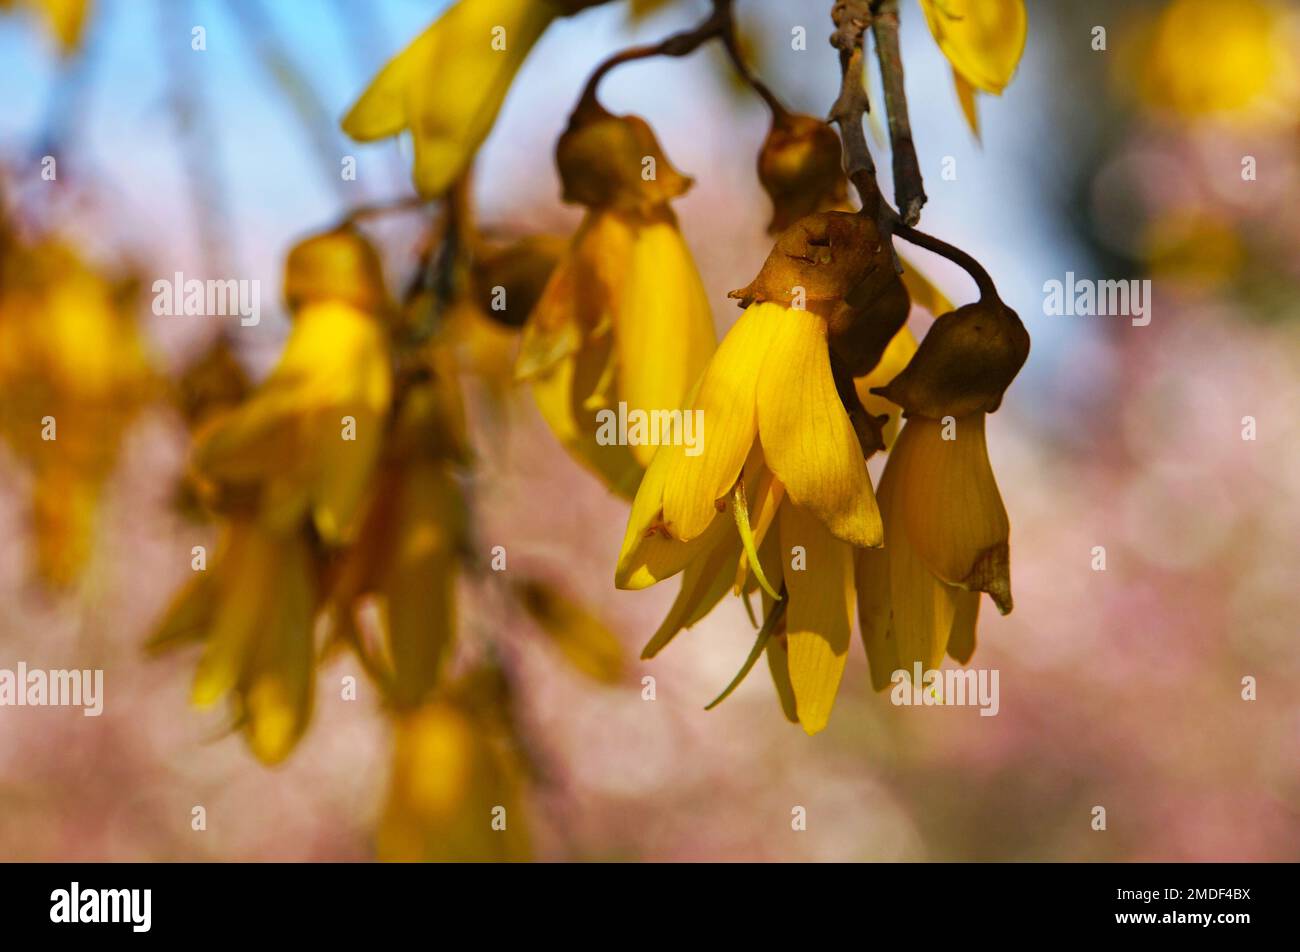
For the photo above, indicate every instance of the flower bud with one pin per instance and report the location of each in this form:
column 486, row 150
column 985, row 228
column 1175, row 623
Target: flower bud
column 964, row 364
column 836, row 265
column 339, row 265
column 799, row 167
column 614, row 161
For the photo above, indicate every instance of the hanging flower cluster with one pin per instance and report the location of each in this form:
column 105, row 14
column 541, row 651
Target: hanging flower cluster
column 338, row 483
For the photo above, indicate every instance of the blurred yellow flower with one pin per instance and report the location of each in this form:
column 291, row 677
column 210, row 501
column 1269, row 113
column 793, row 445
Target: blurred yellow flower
column 449, row 84
column 624, row 317
column 456, row 792
column 1203, row 59
column 254, row 612
column 73, row 374
column 310, row 434
column 65, row 19
column 412, row 543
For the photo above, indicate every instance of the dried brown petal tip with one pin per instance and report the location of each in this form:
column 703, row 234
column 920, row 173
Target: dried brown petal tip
column 991, row 573
column 799, row 168
column 615, row 161
column 964, row 364
column 339, row 265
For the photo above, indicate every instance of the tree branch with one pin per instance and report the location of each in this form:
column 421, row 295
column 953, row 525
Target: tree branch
column 909, row 192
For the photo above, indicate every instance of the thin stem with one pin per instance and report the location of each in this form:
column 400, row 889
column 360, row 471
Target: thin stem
column 678, row 44
column 719, row 25
column 732, row 47
column 909, row 191
column 988, row 291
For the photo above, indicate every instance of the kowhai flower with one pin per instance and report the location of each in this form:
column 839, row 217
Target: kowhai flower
column 624, row 317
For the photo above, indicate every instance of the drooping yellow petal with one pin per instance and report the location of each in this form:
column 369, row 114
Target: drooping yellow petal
column 449, row 84
column 726, row 402
column 808, row 441
column 706, row 579
column 581, row 294
column 564, row 397
column 817, row 619
column 982, row 39
column 871, row 578
column 663, row 326
column 955, row 519
column 417, row 585
column 969, row 109
column 248, row 573
column 920, row 607
column 455, row 793
column 778, row 663
column 584, row 640
column 900, row 350
column 277, row 693
column 312, row 431
column 961, row 643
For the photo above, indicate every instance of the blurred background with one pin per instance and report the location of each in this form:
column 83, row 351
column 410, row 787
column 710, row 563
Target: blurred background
column 1120, row 688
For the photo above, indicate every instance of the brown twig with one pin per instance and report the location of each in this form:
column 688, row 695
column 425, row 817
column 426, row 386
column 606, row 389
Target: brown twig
column 719, row 25
column 909, row 191
column 852, row 19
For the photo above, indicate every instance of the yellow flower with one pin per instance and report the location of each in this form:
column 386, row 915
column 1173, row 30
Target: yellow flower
column 983, row 40
column 777, row 437
column 449, row 84
column 456, row 792
column 946, row 540
column 779, row 497
column 73, row 374
column 409, row 551
column 254, row 610
column 309, row 435
column 624, row 317
column 1202, row 60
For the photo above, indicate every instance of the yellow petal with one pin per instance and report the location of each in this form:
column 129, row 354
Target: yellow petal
column 705, row 580
column 961, row 643
column 563, row 395
column 293, row 434
column 448, row 85
column 954, row 515
column 969, row 109
column 663, row 325
column 920, row 607
column 418, row 582
column 808, row 441
column 871, row 578
column 895, row 358
column 581, row 637
column 982, row 39
column 726, row 401
column 817, row 619
column 452, row 781
column 778, row 663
